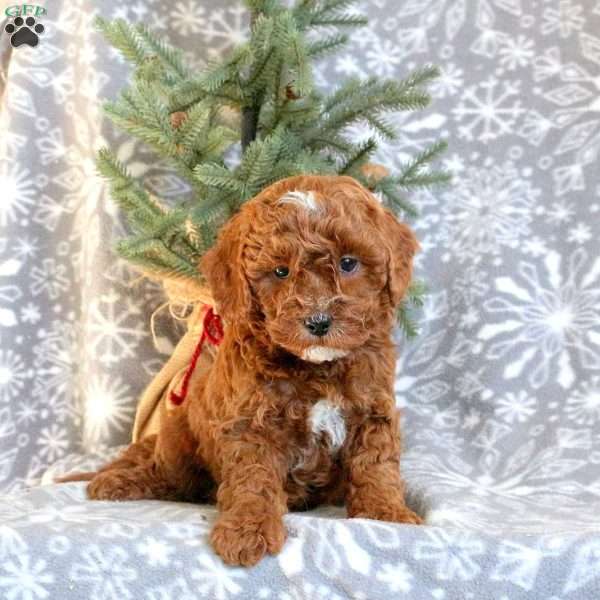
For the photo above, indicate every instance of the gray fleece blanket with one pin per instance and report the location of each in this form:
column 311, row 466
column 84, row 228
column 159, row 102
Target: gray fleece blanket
column 500, row 392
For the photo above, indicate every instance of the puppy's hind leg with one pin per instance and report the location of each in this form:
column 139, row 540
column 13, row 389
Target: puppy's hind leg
column 132, row 476
column 162, row 467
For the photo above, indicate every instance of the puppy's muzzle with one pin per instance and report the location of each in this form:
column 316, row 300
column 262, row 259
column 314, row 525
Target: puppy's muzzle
column 318, row 324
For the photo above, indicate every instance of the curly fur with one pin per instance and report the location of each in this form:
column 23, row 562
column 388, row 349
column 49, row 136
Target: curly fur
column 254, row 434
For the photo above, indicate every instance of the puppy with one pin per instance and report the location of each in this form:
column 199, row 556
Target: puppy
column 296, row 407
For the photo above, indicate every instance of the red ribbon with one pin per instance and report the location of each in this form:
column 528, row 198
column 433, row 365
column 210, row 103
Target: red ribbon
column 212, row 331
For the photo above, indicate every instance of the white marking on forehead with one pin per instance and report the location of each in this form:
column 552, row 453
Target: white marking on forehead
column 319, row 354
column 326, row 417
column 302, row 199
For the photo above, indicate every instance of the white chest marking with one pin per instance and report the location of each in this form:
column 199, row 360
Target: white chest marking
column 326, row 417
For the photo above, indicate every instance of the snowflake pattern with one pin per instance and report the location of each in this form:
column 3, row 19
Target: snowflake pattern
column 491, row 208
column 489, row 109
column 547, row 325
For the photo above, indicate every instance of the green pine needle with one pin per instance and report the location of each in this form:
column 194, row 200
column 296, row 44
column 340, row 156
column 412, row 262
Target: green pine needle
column 413, row 300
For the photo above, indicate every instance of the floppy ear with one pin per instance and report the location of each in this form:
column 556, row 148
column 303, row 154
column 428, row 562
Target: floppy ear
column 223, row 270
column 402, row 246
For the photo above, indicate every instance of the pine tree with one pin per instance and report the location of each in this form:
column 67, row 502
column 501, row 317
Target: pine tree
column 285, row 127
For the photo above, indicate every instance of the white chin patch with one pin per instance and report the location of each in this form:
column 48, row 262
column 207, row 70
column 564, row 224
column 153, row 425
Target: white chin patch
column 326, row 417
column 319, row 354
column 304, row 200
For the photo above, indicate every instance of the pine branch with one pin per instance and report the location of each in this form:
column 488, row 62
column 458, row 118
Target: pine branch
column 388, row 188
column 262, row 6
column 216, row 176
column 367, row 101
column 359, row 157
column 414, row 299
column 170, row 57
column 303, row 82
column 339, row 21
column 124, row 38
column 328, row 13
column 141, row 211
column 154, row 255
column 406, row 323
column 412, row 175
column 326, row 45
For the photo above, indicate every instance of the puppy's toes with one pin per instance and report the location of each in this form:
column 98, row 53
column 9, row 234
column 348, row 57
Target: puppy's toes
column 244, row 540
column 114, row 485
column 410, row 517
column 393, row 514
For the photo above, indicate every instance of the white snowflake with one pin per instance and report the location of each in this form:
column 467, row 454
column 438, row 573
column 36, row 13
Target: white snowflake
column 108, row 408
column 115, row 328
column 53, row 442
column 56, row 368
column 348, row 65
column 188, row 18
column 26, row 247
column 398, row 577
column 491, row 208
column 516, row 407
column 18, row 193
column 455, row 553
column 516, row 52
column 545, row 319
column 107, row 569
column 217, row 579
column 383, row 58
column 583, row 406
column 449, row 82
column 520, row 564
column 50, row 278
column 225, row 29
column 30, row 313
column 490, row 109
column 27, row 412
column 157, row 552
column 12, row 375
column 561, row 211
column 8, row 291
column 23, row 578
column 580, row 234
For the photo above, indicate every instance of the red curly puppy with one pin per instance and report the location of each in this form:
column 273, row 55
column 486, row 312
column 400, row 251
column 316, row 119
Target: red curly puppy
column 296, row 407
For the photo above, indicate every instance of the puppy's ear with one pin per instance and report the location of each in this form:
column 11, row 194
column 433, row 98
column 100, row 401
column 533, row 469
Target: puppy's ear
column 402, row 246
column 223, row 270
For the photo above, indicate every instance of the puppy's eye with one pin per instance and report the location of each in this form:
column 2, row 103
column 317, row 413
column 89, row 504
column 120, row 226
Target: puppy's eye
column 348, row 264
column 281, row 272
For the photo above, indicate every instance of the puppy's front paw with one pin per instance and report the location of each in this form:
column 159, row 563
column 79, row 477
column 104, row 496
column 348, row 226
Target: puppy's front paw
column 114, row 485
column 245, row 539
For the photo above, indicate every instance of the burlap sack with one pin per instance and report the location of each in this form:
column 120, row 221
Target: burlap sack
column 155, row 398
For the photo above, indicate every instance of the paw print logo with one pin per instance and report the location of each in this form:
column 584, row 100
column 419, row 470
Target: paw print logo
column 24, row 31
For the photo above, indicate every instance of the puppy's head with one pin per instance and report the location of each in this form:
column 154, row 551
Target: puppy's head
column 315, row 262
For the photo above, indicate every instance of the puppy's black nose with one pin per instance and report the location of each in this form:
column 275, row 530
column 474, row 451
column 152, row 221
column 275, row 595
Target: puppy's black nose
column 318, row 324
